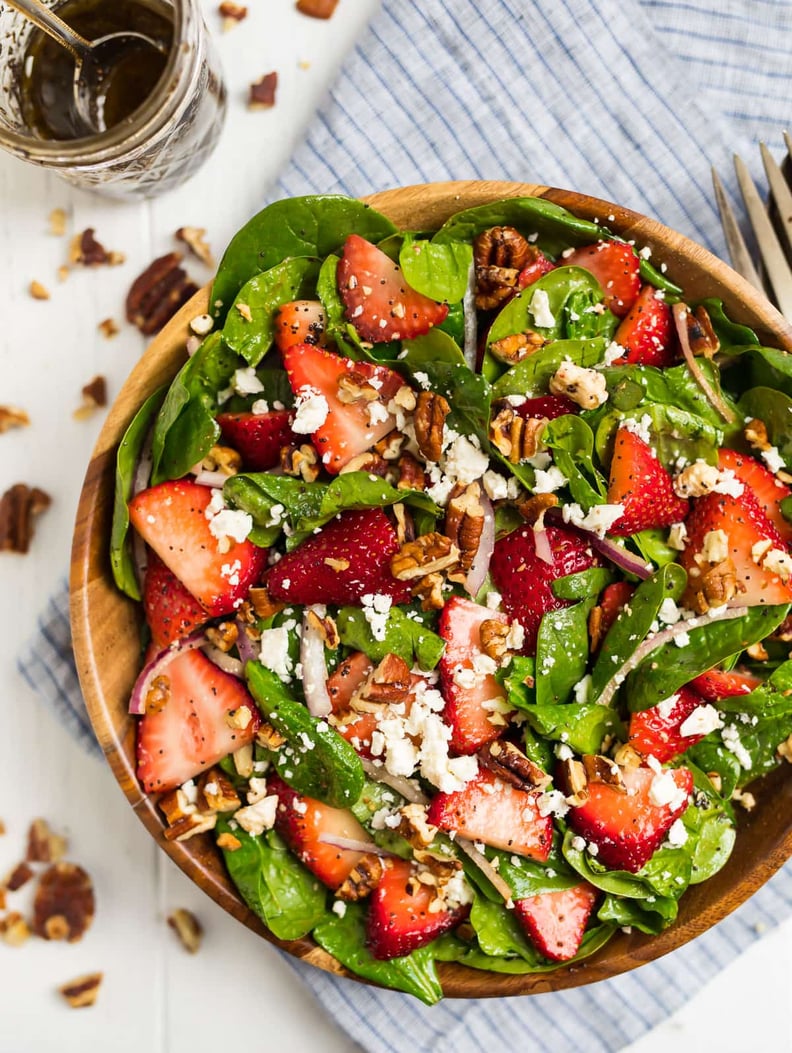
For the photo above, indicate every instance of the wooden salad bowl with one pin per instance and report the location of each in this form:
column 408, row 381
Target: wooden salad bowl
column 105, row 623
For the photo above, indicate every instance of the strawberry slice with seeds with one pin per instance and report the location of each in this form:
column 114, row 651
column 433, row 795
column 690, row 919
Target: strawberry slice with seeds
column 767, row 490
column 300, row 322
column 172, row 612
column 616, row 267
column 495, row 813
column 628, row 824
column 536, row 268
column 657, row 731
column 752, row 544
column 350, row 427
column 348, row 676
column 347, row 559
column 301, row 822
column 717, row 684
column 258, row 437
column 190, row 733
column 171, row 519
column 612, row 602
column 401, row 918
column 378, row 301
column 548, row 406
column 640, row 482
column 465, row 683
column 555, row 922
column 647, row 332
column 525, row 581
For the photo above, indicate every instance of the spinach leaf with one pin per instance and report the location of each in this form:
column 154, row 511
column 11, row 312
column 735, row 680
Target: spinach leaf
column 316, row 761
column 562, row 651
column 345, row 939
column 630, row 386
column 559, row 285
column 264, row 294
column 581, row 725
column 519, row 679
column 630, row 913
column 775, row 409
column 710, row 755
column 405, row 635
column 274, row 883
column 583, row 584
column 572, row 442
column 761, row 720
column 584, row 318
column 634, row 623
column 730, row 334
column 650, row 273
column 185, row 428
column 532, row 375
column 674, row 433
column 303, row 226
column 652, row 545
column 665, row 670
column 126, row 462
column 439, row 271
column 768, row 367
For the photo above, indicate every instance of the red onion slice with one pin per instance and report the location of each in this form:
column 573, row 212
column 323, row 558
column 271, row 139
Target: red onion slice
column 351, row 844
column 216, row 480
column 651, row 643
column 140, row 481
column 224, row 661
column 612, row 551
column 542, row 543
column 248, row 651
column 314, row 667
column 408, row 790
column 479, row 568
column 470, row 348
column 486, row 868
column 157, row 665
column 680, row 312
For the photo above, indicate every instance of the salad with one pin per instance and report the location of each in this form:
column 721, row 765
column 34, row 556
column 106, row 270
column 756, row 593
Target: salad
column 464, row 563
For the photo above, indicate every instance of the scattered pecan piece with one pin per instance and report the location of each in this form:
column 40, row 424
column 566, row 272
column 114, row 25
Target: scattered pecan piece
column 217, row 791
column 627, row 757
column 82, row 991
column 262, row 92
column 224, row 636
column 302, row 462
column 414, row 827
column 63, row 907
column 38, row 291
column 63, row 273
column 18, row 508
column 19, row 876
column 602, row 769
column 513, row 349
column 405, row 524
column 430, row 592
column 411, row 475
column 494, row 634
column 316, row 8
column 243, row 761
column 431, row 411
column 354, row 387
column 513, row 766
column 745, row 799
column 428, row 554
column 269, row 737
column 532, row 509
column 88, row 252
column 499, row 254
column 784, row 750
column 187, row 927
column 388, row 683
column 232, row 14
column 220, row 458
column 573, row 782
column 263, row 606
column 14, row 929
column 57, row 222
column 94, row 397
column 514, row 436
column 158, row 293
column 108, row 327
column 595, row 626
column 701, row 335
column 12, row 417
column 228, row 842
column 190, row 825
column 716, row 779
column 371, row 463
column 43, row 846
column 390, row 447
column 195, row 240
column 464, row 524
column 716, row 586
column 325, row 627
column 362, row 879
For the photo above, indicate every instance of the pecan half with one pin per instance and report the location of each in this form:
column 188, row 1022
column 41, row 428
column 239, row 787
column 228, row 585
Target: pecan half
column 514, row 436
column 513, row 349
column 464, row 524
column 158, row 293
column 499, row 254
column 431, row 411
column 261, row 94
column 493, row 634
column 362, row 879
column 513, row 766
column 18, row 508
column 63, row 907
column 187, row 927
column 701, row 335
column 82, row 991
column 428, row 554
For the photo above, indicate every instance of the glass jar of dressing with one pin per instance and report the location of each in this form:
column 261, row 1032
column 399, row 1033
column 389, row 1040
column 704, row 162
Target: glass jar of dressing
column 163, row 110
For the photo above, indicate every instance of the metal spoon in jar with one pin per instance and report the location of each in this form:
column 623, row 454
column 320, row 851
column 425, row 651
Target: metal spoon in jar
column 94, row 60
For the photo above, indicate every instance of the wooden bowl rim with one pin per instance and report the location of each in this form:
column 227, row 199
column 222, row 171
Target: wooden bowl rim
column 90, row 571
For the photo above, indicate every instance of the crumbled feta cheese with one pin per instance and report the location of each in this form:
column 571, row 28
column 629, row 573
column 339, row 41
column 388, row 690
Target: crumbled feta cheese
column 245, row 382
column 540, row 309
column 598, row 519
column 258, row 817
column 582, row 689
column 231, row 523
column 563, row 752
column 613, row 352
column 677, row 537
column 700, row 478
column 733, row 743
column 339, row 907
column 668, row 612
column 464, row 460
column 584, row 386
column 311, row 411
column 495, row 485
column 550, row 481
column 664, row 790
column 701, row 721
column 677, row 834
column 773, row 459
column 715, row 547
column 274, row 653
column 552, row 802
column 579, row 843
column 376, row 608
column 641, row 428
column 665, row 706
column 260, row 407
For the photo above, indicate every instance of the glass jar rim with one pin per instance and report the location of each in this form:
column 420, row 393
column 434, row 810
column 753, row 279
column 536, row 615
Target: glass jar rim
column 136, row 130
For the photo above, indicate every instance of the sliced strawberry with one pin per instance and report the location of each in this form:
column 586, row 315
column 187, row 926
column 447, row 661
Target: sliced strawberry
column 172, row 612
column 767, row 490
column 378, row 301
column 400, row 917
column 548, row 406
column 745, row 525
column 656, row 732
column 300, row 322
column 350, row 428
column 302, row 821
column 717, row 684
column 628, row 827
column 498, row 814
column 171, row 519
column 556, row 921
column 612, row 602
column 536, row 268
column 465, row 709
column 640, row 482
column 349, row 675
column 525, row 581
column 364, row 540
column 616, row 267
column 258, row 437
column 190, row 733
column 647, row 332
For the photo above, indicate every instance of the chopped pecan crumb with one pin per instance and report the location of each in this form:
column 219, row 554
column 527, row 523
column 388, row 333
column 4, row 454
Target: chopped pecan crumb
column 499, row 254
column 82, row 991
column 302, row 462
column 158, row 694
column 716, row 586
column 228, row 842
column 716, row 780
column 269, row 738
column 428, row 554
column 493, row 634
column 243, row 761
column 195, row 240
column 532, row 509
column 231, row 14
column 187, row 827
column 626, row 756
column 263, row 606
column 405, row 524
column 218, row 791
column 63, row 273
column 18, row 508
column 158, row 293
column 94, row 397
column 602, row 769
column 19, row 876
column 513, row 349
column 63, row 907
column 745, row 799
column 336, row 564
column 14, row 929
column 88, row 252
column 187, row 927
column 464, row 524
column 362, row 879
column 513, row 766
column 701, row 335
column 514, row 436
column 573, row 782
column 38, row 291
column 755, row 432
column 431, row 411
column 388, row 683
column 354, row 387
column 411, row 474
column 220, row 458
column 758, row 652
column 262, row 92
column 316, row 8
column 12, row 417
column 224, row 636
column 414, row 826
column 244, row 311
column 390, row 446
column 325, row 627
column 371, row 463
column 430, row 592
column 108, row 327
column 43, row 846
column 57, row 222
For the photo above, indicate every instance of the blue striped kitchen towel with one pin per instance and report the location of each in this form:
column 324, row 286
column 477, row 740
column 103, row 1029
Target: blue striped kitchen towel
column 629, row 100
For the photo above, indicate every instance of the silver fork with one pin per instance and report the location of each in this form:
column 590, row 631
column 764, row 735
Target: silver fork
column 774, row 258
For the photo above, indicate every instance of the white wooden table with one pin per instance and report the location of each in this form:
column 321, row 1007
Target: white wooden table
column 155, row 997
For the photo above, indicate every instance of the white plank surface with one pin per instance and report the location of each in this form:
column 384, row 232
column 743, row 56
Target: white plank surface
column 155, row 997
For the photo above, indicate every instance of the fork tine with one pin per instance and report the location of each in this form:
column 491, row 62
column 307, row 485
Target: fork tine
column 735, row 242
column 781, row 192
column 773, row 257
